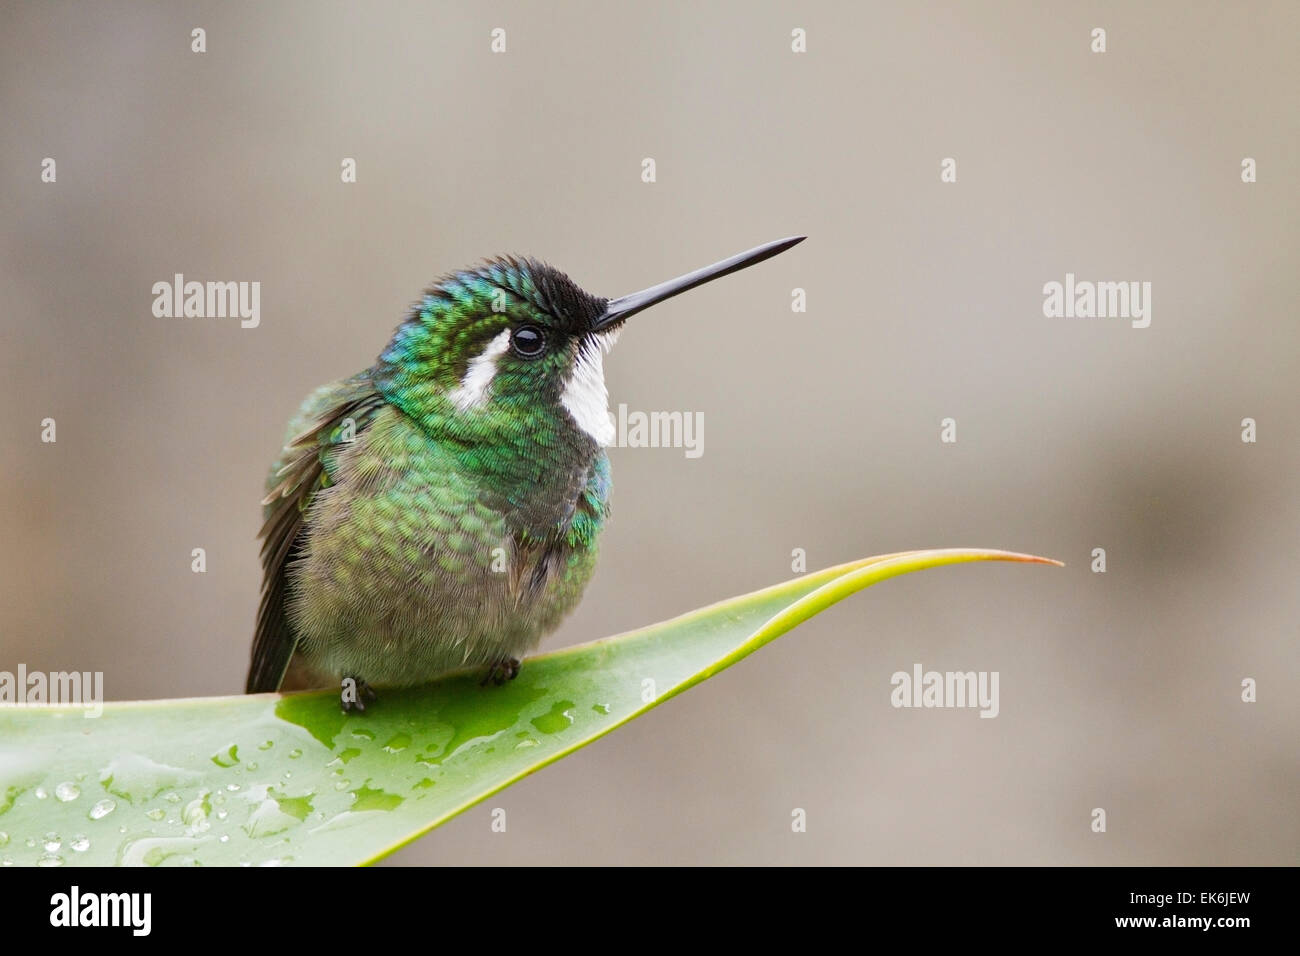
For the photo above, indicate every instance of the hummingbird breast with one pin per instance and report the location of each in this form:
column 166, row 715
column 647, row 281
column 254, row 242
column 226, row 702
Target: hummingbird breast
column 414, row 564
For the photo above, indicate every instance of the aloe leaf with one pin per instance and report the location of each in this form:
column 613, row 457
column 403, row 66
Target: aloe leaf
column 290, row 779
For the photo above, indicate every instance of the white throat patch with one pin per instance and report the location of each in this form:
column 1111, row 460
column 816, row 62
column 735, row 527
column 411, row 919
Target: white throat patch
column 473, row 388
column 585, row 397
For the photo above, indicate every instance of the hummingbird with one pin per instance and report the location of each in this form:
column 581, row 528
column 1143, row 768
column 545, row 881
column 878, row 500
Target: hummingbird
column 441, row 510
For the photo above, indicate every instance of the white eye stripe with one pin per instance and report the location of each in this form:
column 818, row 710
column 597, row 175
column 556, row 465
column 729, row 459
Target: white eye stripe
column 477, row 382
column 585, row 397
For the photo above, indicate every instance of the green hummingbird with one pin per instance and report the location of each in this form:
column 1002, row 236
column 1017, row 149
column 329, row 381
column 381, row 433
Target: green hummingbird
column 441, row 509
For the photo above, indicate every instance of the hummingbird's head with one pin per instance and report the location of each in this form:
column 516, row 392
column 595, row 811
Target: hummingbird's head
column 516, row 341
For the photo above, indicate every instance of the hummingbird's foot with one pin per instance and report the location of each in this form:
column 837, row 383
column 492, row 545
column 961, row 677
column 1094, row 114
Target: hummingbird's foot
column 503, row 670
column 355, row 694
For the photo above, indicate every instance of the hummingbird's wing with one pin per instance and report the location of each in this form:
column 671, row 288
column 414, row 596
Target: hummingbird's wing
column 335, row 416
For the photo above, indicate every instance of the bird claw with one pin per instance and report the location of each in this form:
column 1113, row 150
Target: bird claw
column 503, row 670
column 356, row 693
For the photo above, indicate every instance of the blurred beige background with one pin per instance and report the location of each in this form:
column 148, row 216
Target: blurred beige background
column 1118, row 690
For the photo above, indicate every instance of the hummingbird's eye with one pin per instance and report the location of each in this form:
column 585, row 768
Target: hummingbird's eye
column 528, row 341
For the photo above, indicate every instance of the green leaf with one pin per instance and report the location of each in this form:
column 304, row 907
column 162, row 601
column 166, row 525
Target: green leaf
column 289, row 778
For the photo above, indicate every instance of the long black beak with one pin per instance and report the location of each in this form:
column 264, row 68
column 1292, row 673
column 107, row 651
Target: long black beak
column 619, row 309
